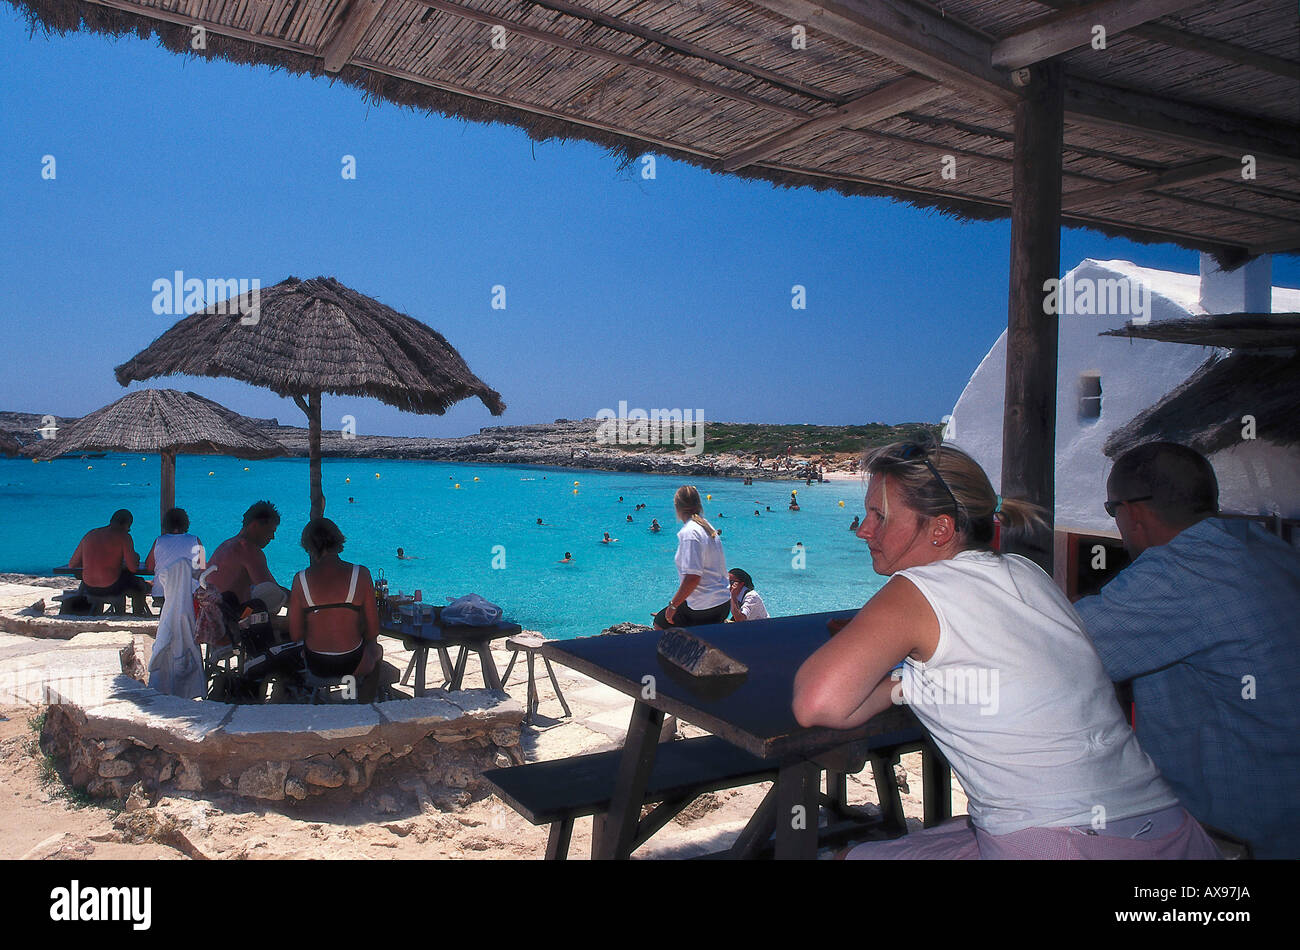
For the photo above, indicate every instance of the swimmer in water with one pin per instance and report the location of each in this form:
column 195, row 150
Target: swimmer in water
column 568, row 559
column 655, row 527
column 403, row 556
column 629, row 519
column 541, row 522
column 607, row 539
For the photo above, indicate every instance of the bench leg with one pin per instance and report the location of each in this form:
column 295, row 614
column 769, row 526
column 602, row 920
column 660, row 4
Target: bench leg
column 505, row 677
column 936, row 782
column 445, row 662
column 558, row 695
column 421, row 658
column 612, row 838
column 891, row 805
column 458, row 671
column 406, row 677
column 490, row 678
column 798, row 787
column 754, row 836
column 557, row 843
column 533, row 701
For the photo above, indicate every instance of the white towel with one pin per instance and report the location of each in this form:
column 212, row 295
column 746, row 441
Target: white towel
column 176, row 666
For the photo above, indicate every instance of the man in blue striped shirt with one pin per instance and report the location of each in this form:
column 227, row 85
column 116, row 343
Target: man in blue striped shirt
column 1206, row 624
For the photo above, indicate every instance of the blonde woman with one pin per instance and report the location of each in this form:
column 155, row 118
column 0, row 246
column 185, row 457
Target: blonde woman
column 996, row 664
column 703, row 594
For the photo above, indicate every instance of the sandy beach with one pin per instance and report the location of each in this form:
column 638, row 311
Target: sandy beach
column 42, row 819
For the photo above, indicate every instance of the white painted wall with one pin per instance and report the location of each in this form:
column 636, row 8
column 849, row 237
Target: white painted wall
column 1135, row 374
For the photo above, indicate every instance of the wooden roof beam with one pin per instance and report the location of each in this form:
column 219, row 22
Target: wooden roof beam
column 343, row 44
column 912, row 35
column 1061, row 32
column 1229, row 52
column 1180, row 123
column 1183, row 174
column 891, row 99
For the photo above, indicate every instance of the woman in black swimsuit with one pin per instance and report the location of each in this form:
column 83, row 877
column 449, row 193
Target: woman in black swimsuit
column 332, row 609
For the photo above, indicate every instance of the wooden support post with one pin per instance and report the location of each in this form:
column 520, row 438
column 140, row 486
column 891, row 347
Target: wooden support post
column 167, row 496
column 1029, row 414
column 313, row 444
column 612, row 838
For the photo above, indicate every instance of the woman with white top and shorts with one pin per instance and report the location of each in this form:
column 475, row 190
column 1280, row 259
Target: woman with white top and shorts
column 996, row 664
column 703, row 593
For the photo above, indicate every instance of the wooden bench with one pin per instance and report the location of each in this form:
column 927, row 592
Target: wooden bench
column 561, row 790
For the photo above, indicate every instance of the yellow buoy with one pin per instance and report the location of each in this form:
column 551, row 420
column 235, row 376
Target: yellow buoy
column 841, row 504
column 123, row 464
column 575, row 491
column 143, row 459
column 376, row 474
column 794, row 491
column 212, row 473
column 708, row 498
column 475, row 478
column 245, row 468
column 458, row 484
column 36, row 461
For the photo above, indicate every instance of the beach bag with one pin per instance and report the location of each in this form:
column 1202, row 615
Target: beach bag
column 470, row 611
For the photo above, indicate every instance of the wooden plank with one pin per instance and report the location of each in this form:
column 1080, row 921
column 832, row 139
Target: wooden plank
column 1229, row 52
column 1180, row 123
column 907, row 93
column 798, row 790
column 1060, row 32
column 936, row 786
column 167, row 491
column 618, row 831
column 1029, row 410
column 344, row 43
column 1183, row 174
column 912, row 35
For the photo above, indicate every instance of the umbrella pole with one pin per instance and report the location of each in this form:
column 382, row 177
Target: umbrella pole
column 168, row 490
column 313, row 443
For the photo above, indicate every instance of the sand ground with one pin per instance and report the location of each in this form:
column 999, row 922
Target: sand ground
column 39, row 819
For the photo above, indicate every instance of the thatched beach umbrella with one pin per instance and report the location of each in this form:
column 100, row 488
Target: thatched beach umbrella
column 163, row 421
column 308, row 337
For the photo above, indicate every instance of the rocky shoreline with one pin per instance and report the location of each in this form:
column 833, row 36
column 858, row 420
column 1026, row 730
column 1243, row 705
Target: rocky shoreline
column 563, row 443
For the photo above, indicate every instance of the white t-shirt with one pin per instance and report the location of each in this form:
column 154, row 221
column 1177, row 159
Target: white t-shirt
column 169, row 548
column 1016, row 697
column 752, row 606
column 697, row 553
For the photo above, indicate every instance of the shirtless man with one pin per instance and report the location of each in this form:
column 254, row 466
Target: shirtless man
column 239, row 566
column 107, row 560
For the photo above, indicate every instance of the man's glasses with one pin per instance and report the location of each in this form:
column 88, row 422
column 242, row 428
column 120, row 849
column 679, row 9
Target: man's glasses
column 914, row 452
column 1113, row 506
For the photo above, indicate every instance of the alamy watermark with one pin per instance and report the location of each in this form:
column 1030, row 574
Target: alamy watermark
column 179, row 294
column 684, row 427
column 952, row 686
column 1101, row 296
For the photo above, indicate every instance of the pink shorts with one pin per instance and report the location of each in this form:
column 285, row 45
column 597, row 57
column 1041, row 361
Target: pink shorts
column 958, row 840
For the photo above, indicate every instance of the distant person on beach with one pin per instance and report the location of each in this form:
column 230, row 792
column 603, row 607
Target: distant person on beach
column 745, row 602
column 238, row 565
column 174, row 544
column 108, row 562
column 567, row 559
column 655, row 526
column 1050, row 767
column 702, row 592
column 332, row 610
column 1207, row 602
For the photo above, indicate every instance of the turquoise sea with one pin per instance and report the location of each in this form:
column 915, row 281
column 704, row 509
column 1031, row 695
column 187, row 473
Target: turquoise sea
column 458, row 533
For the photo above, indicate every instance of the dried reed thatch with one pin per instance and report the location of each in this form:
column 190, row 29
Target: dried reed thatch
column 1155, row 125
column 163, row 421
column 1206, row 411
column 308, row 337
column 1232, row 330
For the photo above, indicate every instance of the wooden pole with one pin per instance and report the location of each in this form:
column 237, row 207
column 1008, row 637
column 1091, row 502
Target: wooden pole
column 168, row 490
column 1029, row 413
column 313, row 443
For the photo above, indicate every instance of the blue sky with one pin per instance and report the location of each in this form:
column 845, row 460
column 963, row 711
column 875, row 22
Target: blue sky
column 672, row 292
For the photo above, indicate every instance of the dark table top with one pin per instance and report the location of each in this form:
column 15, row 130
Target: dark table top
column 752, row 711
column 451, row 634
column 76, row 571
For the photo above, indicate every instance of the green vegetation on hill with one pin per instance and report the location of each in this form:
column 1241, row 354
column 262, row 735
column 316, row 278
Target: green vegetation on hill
column 772, row 440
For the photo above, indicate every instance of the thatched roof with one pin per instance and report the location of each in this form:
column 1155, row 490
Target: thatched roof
column 874, row 102
column 1254, row 331
column 9, row 445
column 158, row 420
column 318, row 336
column 1206, row 411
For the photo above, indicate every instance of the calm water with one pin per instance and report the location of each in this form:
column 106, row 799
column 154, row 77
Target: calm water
column 458, row 532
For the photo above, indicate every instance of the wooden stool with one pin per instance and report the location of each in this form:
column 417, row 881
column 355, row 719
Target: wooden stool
column 530, row 644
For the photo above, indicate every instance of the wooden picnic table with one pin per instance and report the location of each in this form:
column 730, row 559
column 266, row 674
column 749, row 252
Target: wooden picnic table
column 440, row 637
column 752, row 712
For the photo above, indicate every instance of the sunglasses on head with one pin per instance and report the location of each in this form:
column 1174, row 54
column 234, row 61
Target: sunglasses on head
column 916, row 452
column 1114, row 506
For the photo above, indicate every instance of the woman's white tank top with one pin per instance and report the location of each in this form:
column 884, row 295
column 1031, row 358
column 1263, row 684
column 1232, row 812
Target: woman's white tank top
column 1017, row 699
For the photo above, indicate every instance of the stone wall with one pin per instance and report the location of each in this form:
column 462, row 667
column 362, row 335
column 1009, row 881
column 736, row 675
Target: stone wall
column 143, row 742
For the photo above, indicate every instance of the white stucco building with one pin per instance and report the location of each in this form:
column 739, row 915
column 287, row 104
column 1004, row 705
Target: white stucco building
column 1104, row 382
